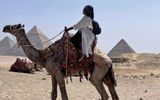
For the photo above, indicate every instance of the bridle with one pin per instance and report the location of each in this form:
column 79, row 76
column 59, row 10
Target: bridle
column 15, row 29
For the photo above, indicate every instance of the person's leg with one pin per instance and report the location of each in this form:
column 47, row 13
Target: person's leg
column 76, row 40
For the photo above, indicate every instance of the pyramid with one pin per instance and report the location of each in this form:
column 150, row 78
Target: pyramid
column 37, row 39
column 5, row 45
column 120, row 48
column 16, row 51
column 36, row 36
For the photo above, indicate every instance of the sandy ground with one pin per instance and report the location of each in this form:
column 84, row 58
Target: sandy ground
column 132, row 84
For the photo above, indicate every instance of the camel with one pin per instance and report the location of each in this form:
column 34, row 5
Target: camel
column 102, row 72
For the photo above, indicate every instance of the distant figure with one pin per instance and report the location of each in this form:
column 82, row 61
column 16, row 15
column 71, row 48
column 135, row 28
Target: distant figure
column 84, row 35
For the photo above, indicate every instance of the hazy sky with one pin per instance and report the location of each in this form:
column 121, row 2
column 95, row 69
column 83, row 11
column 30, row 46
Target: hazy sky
column 136, row 21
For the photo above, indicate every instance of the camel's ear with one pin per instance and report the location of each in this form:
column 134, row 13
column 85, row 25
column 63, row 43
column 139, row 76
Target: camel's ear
column 19, row 25
column 23, row 25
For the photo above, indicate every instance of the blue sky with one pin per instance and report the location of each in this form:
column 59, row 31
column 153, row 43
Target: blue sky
column 136, row 21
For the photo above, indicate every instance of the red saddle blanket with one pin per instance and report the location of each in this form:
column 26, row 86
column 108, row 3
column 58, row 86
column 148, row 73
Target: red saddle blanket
column 70, row 61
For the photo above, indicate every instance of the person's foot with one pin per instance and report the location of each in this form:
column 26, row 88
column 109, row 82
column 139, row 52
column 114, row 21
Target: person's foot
column 81, row 58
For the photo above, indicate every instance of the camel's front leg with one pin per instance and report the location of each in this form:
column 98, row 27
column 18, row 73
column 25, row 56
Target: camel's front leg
column 54, row 68
column 61, row 82
column 54, row 88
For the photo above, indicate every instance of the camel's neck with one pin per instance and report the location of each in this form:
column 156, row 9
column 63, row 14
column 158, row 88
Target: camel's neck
column 29, row 50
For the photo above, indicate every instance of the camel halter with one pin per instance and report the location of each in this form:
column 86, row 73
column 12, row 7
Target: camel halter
column 16, row 29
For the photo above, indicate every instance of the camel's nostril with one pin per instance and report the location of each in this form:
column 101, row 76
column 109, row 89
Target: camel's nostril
column 6, row 28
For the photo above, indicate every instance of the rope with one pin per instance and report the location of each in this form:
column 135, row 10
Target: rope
column 18, row 46
column 67, row 62
column 37, row 44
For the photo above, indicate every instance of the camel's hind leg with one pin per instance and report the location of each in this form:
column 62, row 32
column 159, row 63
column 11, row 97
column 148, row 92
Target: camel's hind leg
column 110, row 81
column 54, row 88
column 97, row 80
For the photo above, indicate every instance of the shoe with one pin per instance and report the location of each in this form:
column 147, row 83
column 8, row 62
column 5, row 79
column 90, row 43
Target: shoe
column 81, row 58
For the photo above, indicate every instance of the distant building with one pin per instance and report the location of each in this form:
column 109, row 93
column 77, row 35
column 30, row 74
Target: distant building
column 120, row 48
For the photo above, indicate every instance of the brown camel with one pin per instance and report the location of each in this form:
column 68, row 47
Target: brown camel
column 102, row 71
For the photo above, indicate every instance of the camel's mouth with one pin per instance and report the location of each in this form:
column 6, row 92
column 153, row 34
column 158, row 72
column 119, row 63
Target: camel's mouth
column 7, row 28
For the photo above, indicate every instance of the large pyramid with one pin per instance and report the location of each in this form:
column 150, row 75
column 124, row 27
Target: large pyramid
column 120, row 48
column 5, row 45
column 37, row 39
column 36, row 36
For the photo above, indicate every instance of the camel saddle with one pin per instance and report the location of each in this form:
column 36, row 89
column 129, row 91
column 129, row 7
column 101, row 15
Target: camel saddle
column 70, row 61
column 21, row 66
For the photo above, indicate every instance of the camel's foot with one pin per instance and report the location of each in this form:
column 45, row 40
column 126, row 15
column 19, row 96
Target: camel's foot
column 115, row 98
column 53, row 96
column 104, row 99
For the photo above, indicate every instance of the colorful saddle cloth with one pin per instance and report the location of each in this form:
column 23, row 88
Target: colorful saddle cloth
column 70, row 55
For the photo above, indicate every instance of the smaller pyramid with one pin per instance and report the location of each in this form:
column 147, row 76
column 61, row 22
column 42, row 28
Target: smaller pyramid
column 5, row 45
column 16, row 51
column 120, row 48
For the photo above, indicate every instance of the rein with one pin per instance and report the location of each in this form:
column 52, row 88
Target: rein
column 37, row 44
column 15, row 29
column 67, row 59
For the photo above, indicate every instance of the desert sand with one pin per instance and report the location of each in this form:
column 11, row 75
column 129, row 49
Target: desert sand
column 134, row 82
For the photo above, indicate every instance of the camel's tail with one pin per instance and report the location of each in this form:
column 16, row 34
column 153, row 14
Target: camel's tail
column 110, row 76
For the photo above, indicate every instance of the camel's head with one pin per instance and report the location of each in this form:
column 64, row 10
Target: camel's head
column 13, row 28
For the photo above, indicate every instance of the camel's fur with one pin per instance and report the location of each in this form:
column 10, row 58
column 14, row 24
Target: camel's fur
column 102, row 72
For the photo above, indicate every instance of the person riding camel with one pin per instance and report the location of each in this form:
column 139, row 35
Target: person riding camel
column 85, row 36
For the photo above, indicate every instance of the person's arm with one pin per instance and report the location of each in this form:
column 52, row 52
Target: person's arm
column 81, row 24
column 84, row 22
column 68, row 29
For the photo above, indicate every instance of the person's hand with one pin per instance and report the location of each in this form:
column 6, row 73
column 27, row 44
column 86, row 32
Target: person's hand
column 65, row 29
